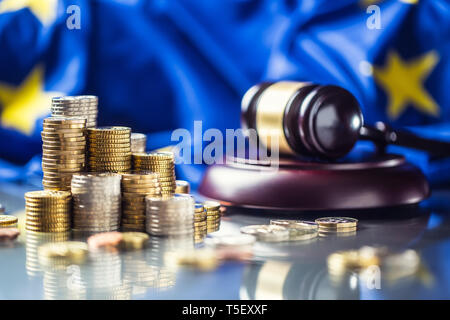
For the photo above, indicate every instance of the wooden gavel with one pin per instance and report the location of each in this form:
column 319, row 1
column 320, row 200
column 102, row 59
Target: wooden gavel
column 320, row 121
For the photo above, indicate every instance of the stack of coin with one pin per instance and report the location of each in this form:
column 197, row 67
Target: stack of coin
column 212, row 209
column 77, row 106
column 8, row 221
column 161, row 162
column 135, row 187
column 109, row 149
column 138, row 142
column 33, row 241
column 97, row 202
column 298, row 229
column 182, row 186
column 48, row 211
column 170, row 215
column 200, row 223
column 337, row 226
column 267, row 232
column 63, row 151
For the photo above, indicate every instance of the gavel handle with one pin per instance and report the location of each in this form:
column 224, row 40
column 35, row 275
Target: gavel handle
column 382, row 135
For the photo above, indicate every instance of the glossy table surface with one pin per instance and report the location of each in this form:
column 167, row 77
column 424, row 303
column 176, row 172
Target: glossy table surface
column 295, row 270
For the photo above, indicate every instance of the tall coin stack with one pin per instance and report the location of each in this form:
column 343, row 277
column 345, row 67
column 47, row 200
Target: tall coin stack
column 212, row 209
column 48, row 211
column 170, row 215
column 135, row 187
column 200, row 224
column 138, row 142
column 63, row 151
column 109, row 149
column 97, row 202
column 77, row 106
column 162, row 163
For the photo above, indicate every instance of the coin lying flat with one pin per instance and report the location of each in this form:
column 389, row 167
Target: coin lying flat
column 6, row 220
column 105, row 240
column 239, row 240
column 8, row 234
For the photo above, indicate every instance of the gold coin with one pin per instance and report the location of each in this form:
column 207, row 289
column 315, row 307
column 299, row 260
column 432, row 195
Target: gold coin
column 6, row 220
column 337, row 222
column 42, row 194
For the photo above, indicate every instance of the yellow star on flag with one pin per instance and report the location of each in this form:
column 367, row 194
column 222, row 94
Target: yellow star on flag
column 44, row 10
column 20, row 107
column 403, row 82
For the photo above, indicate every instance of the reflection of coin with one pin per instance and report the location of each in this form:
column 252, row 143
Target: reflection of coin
column 105, row 239
column 337, row 222
column 238, row 240
column 134, row 240
column 269, row 233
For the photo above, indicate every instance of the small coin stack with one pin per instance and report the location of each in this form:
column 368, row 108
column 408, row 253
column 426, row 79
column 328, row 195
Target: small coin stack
column 63, row 151
column 298, row 230
column 212, row 209
column 77, row 106
column 97, row 202
column 267, row 232
column 200, row 223
column 48, row 211
column 170, row 215
column 138, row 142
column 109, row 149
column 182, row 186
column 337, row 226
column 135, row 187
column 162, row 163
column 8, row 221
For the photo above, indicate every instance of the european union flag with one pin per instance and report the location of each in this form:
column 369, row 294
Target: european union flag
column 158, row 65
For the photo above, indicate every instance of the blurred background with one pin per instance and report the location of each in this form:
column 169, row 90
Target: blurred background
column 158, row 65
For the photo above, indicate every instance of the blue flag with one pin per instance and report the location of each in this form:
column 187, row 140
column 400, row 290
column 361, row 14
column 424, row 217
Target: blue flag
column 160, row 65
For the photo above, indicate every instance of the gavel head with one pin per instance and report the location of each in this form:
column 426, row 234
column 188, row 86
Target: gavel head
column 304, row 118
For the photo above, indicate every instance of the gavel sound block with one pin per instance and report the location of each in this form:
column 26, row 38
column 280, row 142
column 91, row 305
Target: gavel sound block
column 374, row 181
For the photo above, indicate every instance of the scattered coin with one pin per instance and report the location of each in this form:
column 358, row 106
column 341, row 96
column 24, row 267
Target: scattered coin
column 105, row 240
